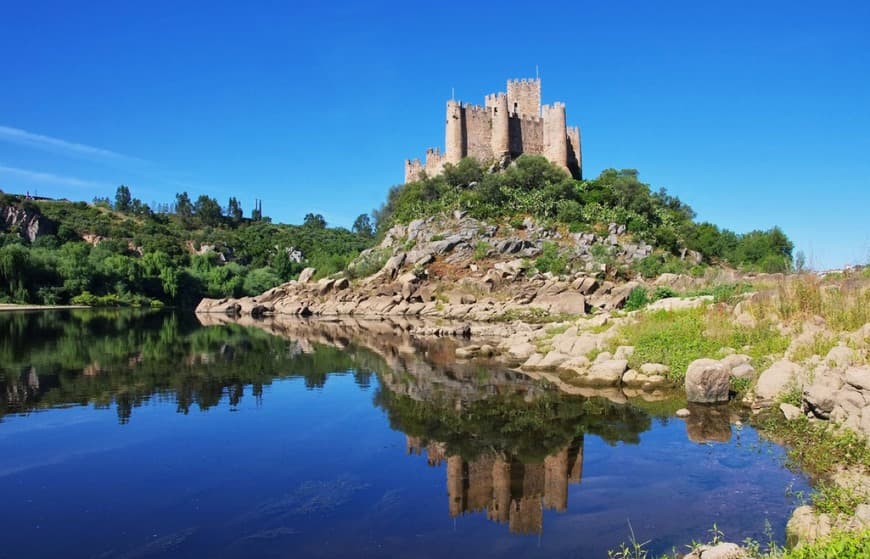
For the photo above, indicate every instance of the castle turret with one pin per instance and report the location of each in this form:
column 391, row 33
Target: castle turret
column 497, row 104
column 524, row 97
column 556, row 135
column 454, row 143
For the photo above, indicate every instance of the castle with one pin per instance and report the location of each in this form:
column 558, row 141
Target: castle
column 507, row 126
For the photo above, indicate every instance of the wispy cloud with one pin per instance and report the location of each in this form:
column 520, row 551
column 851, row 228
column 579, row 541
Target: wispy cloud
column 48, row 143
column 49, row 178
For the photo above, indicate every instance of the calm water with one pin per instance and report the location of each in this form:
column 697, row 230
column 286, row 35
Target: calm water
column 151, row 435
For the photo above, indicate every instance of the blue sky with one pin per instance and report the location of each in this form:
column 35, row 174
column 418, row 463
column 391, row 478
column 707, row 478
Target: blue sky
column 755, row 113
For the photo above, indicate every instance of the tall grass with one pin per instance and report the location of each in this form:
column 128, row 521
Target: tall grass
column 844, row 304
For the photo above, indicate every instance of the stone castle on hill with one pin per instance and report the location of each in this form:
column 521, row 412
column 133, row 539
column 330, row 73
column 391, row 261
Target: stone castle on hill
column 505, row 127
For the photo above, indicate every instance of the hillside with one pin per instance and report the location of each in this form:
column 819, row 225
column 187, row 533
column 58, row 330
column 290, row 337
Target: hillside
column 123, row 253
column 613, row 228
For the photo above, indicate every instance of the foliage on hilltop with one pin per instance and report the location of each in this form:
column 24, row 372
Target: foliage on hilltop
column 126, row 253
column 534, row 187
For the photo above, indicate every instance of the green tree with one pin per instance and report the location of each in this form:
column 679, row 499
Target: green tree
column 207, row 210
column 122, row 199
column 362, row 226
column 183, row 206
column 315, row 221
column 234, row 210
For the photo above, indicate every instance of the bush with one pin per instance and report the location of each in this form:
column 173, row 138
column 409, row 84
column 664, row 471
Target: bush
column 551, row 260
column 637, row 299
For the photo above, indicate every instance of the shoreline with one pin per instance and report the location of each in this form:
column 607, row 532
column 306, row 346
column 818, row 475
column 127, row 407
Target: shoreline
column 11, row 307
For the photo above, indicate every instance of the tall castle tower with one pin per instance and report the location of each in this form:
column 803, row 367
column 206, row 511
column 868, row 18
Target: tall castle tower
column 507, row 126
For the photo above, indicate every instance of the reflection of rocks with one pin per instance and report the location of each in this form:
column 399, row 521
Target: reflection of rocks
column 508, row 490
column 708, row 423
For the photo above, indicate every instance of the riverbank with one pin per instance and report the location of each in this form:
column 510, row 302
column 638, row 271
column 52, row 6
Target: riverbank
column 792, row 350
column 10, row 307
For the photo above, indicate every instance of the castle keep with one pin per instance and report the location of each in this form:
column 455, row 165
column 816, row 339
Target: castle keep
column 505, row 127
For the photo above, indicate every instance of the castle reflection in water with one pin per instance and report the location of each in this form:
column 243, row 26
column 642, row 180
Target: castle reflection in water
column 508, row 490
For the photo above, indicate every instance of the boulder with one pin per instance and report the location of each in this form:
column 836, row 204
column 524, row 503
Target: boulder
column 306, row 275
column 859, row 377
column 606, row 373
column 840, row 357
column 680, row 303
column 655, row 369
column 724, row 550
column 619, row 295
column 790, row 412
column 776, row 380
column 707, row 381
column 743, row 371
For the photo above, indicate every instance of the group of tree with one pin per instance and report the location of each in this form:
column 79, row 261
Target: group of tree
column 534, row 187
column 122, row 252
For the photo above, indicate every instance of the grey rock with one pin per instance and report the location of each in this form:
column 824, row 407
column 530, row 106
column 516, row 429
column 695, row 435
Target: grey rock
column 859, row 377
column 790, row 412
column 707, row 381
column 306, row 275
column 776, row 380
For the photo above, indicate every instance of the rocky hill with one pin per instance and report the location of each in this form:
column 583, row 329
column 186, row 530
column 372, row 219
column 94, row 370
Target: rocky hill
column 458, row 267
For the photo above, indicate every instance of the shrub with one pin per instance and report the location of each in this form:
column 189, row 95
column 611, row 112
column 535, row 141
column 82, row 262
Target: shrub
column 637, row 299
column 551, row 259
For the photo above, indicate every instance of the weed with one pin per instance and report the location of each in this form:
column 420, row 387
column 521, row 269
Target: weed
column 637, row 299
column 481, row 250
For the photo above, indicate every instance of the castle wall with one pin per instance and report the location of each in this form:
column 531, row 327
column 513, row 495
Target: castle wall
column 478, row 133
column 575, row 154
column 526, row 136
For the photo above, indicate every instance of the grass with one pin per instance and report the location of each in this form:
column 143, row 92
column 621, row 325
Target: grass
column 821, row 344
column 481, row 250
column 842, row 545
column 834, row 499
column 676, row 338
column 816, row 448
column 844, row 305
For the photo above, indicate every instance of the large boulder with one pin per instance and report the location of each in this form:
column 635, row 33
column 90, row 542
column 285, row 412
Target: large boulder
column 707, row 381
column 604, row 373
column 776, row 381
column 306, row 275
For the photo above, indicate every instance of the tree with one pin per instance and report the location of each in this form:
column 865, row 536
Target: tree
column 208, row 211
column 314, row 221
column 362, row 226
column 183, row 206
column 122, row 199
column 234, row 210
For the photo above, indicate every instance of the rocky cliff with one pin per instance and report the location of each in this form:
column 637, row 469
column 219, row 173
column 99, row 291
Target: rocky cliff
column 26, row 222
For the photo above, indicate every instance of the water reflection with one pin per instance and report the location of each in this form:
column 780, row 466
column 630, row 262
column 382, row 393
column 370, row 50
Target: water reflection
column 505, row 448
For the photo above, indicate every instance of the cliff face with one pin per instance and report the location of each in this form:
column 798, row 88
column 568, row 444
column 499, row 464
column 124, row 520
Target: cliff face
column 29, row 224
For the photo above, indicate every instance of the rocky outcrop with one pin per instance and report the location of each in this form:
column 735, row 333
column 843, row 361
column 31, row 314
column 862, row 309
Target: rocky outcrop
column 28, row 223
column 460, row 268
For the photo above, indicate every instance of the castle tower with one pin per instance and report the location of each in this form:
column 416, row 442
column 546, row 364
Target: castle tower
column 556, row 135
column 497, row 104
column 575, row 154
column 454, row 143
column 524, row 97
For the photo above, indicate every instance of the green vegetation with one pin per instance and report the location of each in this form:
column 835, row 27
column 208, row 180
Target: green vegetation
column 844, row 305
column 842, row 545
column 816, row 448
column 127, row 254
column 676, row 338
column 532, row 186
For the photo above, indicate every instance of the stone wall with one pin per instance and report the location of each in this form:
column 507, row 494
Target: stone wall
column 524, row 97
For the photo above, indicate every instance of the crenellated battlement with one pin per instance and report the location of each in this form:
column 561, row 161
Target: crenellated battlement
column 507, row 125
